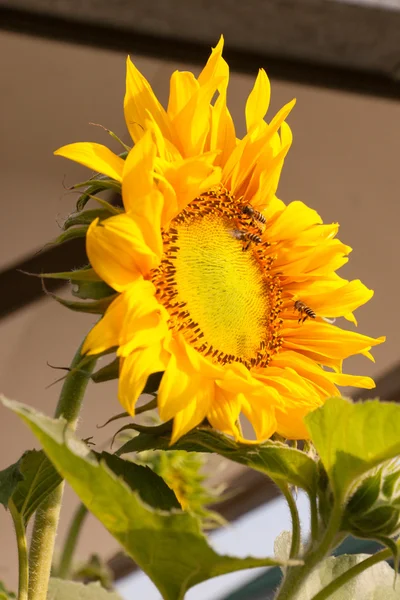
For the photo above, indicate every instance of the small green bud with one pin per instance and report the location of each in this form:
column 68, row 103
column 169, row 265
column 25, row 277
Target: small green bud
column 374, row 509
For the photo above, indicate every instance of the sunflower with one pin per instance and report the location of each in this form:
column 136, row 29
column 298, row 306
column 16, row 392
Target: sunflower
column 221, row 286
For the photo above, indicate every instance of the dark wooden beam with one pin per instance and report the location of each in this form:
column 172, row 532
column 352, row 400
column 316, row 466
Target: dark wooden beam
column 20, row 290
column 352, row 46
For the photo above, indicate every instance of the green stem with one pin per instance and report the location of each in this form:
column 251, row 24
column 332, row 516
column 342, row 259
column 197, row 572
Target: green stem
column 344, row 578
column 78, row 519
column 314, row 518
column 47, row 516
column 294, row 513
column 23, row 572
column 295, row 576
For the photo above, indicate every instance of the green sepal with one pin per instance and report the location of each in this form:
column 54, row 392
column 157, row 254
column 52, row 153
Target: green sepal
column 86, row 217
column 70, row 234
column 107, row 373
column 95, row 186
column 365, row 495
column 85, row 274
column 97, row 307
column 92, row 290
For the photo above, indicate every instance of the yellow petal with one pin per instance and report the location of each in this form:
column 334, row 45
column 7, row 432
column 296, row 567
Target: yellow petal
column 216, row 65
column 95, row 157
column 352, row 380
column 340, row 301
column 258, row 101
column 105, row 334
column 224, row 412
column 293, row 220
column 138, row 173
column 187, row 180
column 140, row 98
column 183, row 85
column 135, row 371
column 325, row 340
column 145, row 320
column 193, row 414
column 118, row 252
column 261, row 415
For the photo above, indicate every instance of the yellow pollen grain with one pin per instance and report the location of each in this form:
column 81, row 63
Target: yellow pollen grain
column 223, row 286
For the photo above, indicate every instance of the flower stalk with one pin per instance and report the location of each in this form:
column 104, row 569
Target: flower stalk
column 64, row 569
column 47, row 516
column 295, row 576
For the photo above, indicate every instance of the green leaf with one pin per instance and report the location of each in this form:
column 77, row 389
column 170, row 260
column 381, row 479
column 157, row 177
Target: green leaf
column 278, row 461
column 97, row 307
column 87, row 216
column 39, row 479
column 168, row 546
column 352, row 439
column 151, row 487
column 4, row 594
column 9, row 479
column 60, row 589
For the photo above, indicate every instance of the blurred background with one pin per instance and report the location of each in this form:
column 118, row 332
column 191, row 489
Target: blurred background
column 62, row 67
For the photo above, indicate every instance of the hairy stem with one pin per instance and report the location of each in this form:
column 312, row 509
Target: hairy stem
column 295, row 576
column 71, row 541
column 344, row 578
column 294, row 513
column 47, row 516
column 23, row 573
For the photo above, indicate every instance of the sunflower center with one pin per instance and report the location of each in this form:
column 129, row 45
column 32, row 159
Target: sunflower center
column 214, row 280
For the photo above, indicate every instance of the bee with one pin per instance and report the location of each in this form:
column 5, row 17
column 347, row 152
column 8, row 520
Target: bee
column 253, row 213
column 246, row 236
column 305, row 310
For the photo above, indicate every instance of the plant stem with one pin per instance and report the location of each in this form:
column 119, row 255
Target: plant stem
column 47, row 516
column 294, row 513
column 295, row 576
column 23, row 573
column 314, row 518
column 337, row 583
column 64, row 568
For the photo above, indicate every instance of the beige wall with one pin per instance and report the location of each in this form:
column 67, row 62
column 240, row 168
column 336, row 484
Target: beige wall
column 344, row 163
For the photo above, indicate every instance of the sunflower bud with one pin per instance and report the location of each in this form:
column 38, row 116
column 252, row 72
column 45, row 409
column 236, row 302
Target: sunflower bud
column 374, row 508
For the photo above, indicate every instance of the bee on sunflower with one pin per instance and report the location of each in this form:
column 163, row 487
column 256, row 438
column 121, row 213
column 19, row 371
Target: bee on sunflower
column 210, row 267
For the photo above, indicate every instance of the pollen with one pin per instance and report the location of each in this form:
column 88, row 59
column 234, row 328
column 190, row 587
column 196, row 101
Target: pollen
column 215, row 282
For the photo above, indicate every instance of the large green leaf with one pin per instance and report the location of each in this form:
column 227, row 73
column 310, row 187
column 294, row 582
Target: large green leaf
column 9, row 479
column 60, row 589
column 168, row 546
column 40, row 478
column 151, row 487
column 351, row 439
column 278, row 461
column 28, row 482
